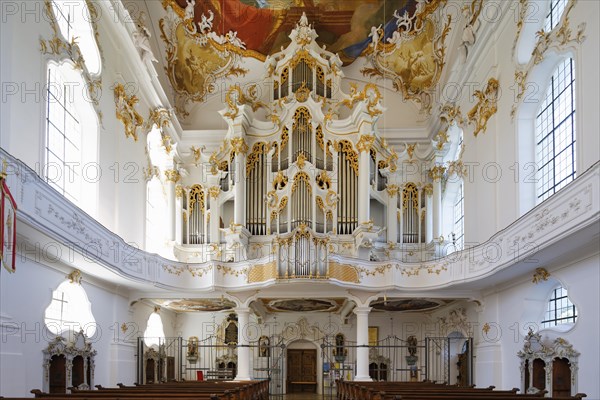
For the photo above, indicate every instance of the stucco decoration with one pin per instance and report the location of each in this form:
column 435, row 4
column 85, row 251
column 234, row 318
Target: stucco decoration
column 196, row 56
column 414, row 56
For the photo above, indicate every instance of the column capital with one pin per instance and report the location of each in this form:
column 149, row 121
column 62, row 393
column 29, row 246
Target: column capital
column 238, row 145
column 365, row 142
column 362, row 310
column 242, row 310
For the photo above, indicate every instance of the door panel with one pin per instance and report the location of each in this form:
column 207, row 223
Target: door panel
column 301, row 371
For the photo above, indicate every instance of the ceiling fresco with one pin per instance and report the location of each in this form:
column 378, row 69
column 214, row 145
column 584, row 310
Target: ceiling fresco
column 193, row 305
column 264, row 25
column 408, row 304
column 399, row 40
column 303, row 305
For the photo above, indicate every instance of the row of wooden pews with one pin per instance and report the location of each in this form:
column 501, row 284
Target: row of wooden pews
column 184, row 390
column 430, row 391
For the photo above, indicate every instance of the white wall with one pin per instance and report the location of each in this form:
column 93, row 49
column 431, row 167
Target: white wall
column 121, row 187
column 510, row 309
column 24, row 297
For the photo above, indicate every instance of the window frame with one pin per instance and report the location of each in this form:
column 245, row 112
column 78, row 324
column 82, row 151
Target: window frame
column 552, row 101
column 553, row 298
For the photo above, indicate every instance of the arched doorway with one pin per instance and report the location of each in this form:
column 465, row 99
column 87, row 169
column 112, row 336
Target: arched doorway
column 302, row 364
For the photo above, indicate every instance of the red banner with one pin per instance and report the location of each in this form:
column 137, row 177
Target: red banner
column 8, row 225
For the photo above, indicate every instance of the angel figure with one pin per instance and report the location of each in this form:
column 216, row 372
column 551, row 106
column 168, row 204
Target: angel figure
column 141, row 39
column 374, row 35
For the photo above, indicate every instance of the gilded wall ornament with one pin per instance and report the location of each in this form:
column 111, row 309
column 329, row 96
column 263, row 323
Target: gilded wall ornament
column 441, row 139
column 370, row 94
column 197, row 152
column 540, row 275
column 486, row 106
column 235, row 96
column 437, row 172
column 457, row 167
column 410, row 150
column 414, row 56
column 126, row 113
column 451, row 114
column 161, row 117
column 75, row 276
column 172, row 175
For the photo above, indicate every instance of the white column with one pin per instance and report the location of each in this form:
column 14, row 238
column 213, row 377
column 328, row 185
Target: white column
column 172, row 176
column 215, row 214
column 363, row 186
column 428, row 216
column 239, row 214
column 436, row 174
column 362, row 341
column 243, row 365
column 392, row 219
column 179, row 193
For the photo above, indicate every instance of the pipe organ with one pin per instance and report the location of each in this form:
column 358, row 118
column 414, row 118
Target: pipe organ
column 196, row 224
column 289, row 178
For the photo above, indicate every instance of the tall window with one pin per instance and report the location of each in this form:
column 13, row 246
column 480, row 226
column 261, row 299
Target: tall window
column 73, row 18
column 154, row 333
column 459, row 219
column 560, row 310
column 155, row 215
column 63, row 128
column 70, row 310
column 555, row 133
column 557, row 7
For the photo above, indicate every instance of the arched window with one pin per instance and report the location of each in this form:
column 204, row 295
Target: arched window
column 70, row 310
column 458, row 234
column 74, row 21
column 555, row 133
column 154, row 334
column 557, row 8
column 156, row 206
column 71, row 137
column 560, row 310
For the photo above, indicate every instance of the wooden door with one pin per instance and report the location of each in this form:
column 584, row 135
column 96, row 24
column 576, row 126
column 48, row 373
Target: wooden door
column 58, row 376
column 539, row 374
column 561, row 378
column 301, row 370
column 77, row 374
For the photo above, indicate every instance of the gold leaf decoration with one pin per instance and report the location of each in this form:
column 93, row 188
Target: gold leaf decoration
column 486, row 106
column 126, row 113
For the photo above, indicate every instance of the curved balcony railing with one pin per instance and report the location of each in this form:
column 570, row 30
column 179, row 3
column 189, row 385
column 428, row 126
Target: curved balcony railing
column 573, row 211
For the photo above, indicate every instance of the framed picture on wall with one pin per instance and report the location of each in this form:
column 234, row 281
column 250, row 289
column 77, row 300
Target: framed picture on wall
column 373, row 335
